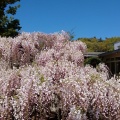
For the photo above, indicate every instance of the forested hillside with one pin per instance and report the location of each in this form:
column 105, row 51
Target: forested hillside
column 99, row 45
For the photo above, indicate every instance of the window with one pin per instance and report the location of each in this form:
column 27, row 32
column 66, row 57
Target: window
column 118, row 67
column 118, row 47
column 113, row 67
column 117, row 58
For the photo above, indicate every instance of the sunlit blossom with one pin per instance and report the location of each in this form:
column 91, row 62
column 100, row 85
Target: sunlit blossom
column 42, row 76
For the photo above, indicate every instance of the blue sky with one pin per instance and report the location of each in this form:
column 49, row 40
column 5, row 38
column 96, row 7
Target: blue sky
column 86, row 18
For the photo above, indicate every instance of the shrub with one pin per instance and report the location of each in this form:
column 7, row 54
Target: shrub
column 94, row 61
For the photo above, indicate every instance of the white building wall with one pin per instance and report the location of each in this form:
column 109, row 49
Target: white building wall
column 116, row 45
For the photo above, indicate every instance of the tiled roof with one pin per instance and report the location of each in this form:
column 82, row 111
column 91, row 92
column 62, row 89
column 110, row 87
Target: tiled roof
column 108, row 53
column 92, row 54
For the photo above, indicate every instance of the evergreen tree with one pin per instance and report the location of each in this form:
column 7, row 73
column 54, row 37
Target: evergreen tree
column 9, row 27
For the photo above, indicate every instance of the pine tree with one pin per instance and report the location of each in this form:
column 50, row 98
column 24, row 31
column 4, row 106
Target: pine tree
column 9, row 27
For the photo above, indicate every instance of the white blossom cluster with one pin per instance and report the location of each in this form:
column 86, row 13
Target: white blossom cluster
column 43, row 77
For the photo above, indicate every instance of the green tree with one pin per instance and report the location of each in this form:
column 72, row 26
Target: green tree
column 99, row 45
column 9, row 27
column 71, row 34
column 94, row 61
column 109, row 42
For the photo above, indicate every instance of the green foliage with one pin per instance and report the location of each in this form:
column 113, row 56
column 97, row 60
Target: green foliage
column 94, row 61
column 9, row 27
column 99, row 45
